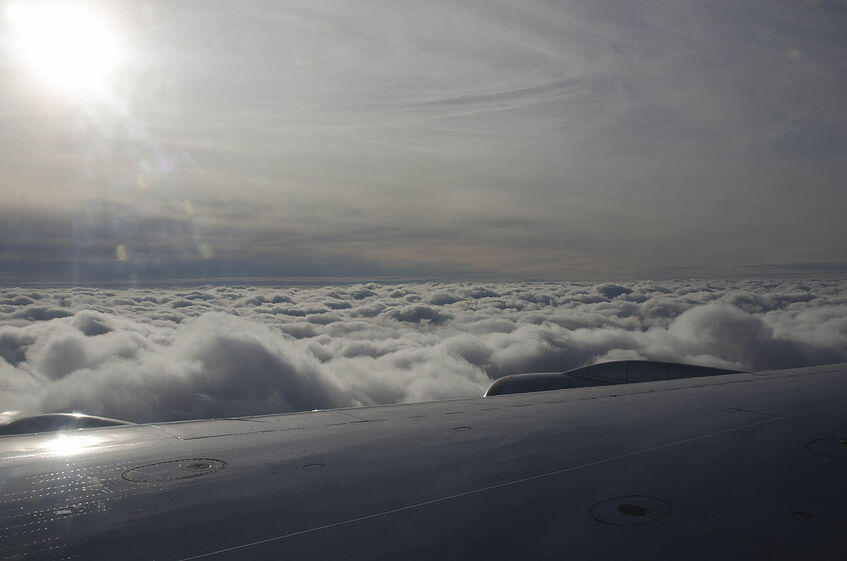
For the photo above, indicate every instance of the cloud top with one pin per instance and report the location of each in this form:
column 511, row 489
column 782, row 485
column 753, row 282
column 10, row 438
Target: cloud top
column 166, row 354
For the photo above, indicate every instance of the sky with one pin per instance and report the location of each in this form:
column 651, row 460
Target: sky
column 510, row 140
column 159, row 354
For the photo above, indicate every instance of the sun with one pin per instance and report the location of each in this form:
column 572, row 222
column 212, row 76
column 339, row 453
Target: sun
column 70, row 46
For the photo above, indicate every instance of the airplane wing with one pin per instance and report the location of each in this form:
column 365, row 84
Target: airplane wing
column 739, row 466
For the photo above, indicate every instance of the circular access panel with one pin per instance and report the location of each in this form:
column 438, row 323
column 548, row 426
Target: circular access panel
column 631, row 510
column 829, row 447
column 175, row 469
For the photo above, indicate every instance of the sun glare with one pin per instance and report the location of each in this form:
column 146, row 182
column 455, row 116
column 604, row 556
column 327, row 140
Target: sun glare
column 70, row 46
column 69, row 444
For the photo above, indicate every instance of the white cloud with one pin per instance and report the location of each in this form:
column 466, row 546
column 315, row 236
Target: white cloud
column 248, row 350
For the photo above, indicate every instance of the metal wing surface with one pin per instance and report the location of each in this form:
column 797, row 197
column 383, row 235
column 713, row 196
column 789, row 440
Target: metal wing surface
column 736, row 466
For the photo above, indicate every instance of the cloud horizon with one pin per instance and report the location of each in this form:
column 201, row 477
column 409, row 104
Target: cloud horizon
column 149, row 355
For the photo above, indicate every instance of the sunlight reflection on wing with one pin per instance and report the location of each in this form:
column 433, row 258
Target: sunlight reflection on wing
column 69, row 445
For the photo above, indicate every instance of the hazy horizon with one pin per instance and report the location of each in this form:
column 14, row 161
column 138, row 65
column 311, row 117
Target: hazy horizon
column 371, row 140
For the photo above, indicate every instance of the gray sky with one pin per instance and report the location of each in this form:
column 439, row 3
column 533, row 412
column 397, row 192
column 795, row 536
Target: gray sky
column 501, row 140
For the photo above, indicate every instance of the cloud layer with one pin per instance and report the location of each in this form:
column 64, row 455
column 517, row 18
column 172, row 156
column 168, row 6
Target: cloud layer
column 166, row 354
